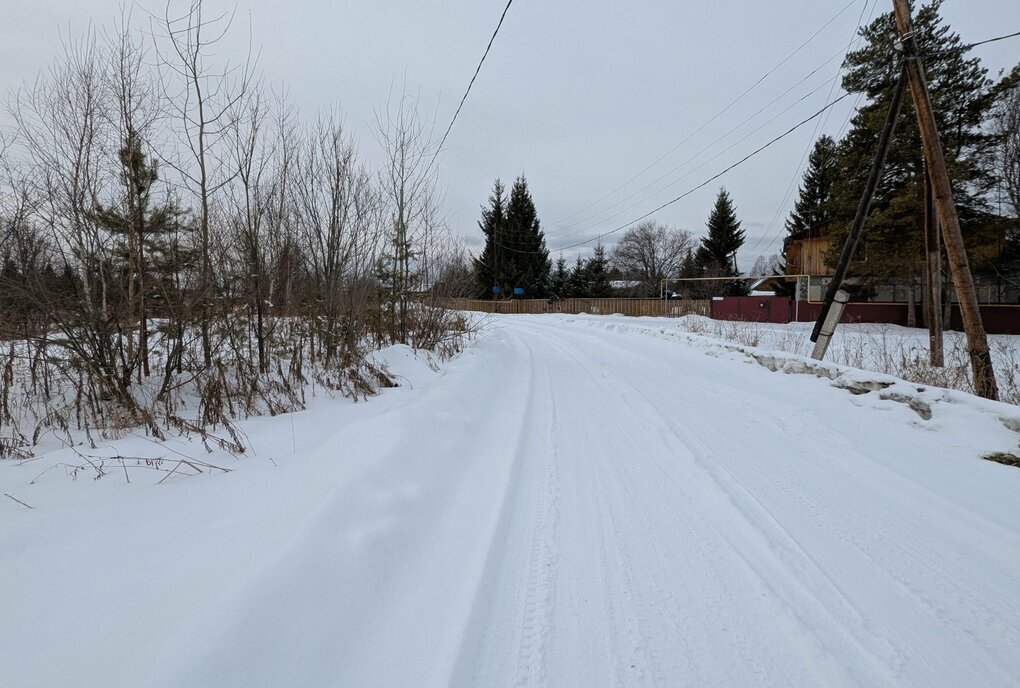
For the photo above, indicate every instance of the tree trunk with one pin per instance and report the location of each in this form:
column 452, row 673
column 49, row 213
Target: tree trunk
column 911, row 304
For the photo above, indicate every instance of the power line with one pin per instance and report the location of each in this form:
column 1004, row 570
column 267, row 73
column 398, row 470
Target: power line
column 705, row 149
column 968, row 46
column 690, row 191
column 470, row 83
column 688, row 173
column 673, row 182
column 992, row 40
column 769, row 231
column 605, row 214
column 713, row 118
column 855, row 40
column 699, row 186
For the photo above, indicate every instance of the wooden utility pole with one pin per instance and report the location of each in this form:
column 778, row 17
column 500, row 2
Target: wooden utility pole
column 977, row 340
column 933, row 273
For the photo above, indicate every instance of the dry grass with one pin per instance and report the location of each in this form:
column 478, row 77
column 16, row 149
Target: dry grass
column 1004, row 458
column 45, row 391
column 879, row 348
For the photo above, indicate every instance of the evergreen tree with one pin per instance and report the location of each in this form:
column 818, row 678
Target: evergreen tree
column 145, row 236
column 560, row 279
column 961, row 98
column 128, row 221
column 812, row 211
column 528, row 256
column 717, row 255
column 491, row 265
column 597, row 274
column 171, row 250
column 577, row 283
column 689, row 266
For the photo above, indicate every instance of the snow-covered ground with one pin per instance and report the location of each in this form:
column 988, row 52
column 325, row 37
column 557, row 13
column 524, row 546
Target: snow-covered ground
column 573, row 501
column 880, row 347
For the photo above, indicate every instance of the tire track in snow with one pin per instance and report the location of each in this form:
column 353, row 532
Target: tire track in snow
column 621, row 598
column 924, row 557
column 500, row 593
column 626, row 599
column 530, row 582
column 630, row 419
column 790, row 570
column 540, row 588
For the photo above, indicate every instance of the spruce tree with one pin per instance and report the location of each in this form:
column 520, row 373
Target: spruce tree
column 689, row 266
column 577, row 283
column 961, row 97
column 560, row 279
column 597, row 273
column 812, row 211
column 491, row 265
column 527, row 253
column 143, row 243
column 717, row 255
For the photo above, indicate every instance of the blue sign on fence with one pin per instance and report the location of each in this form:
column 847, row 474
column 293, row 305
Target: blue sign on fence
column 518, row 290
column 496, row 289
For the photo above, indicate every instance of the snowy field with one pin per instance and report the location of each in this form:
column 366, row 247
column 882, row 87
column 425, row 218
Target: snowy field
column 573, row 501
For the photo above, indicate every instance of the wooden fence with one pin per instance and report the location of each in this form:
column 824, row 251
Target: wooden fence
column 658, row 307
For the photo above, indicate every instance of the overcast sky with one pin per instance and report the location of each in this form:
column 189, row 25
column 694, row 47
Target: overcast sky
column 578, row 95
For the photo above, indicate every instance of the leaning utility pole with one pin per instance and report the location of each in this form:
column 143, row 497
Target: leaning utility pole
column 977, row 341
column 854, row 236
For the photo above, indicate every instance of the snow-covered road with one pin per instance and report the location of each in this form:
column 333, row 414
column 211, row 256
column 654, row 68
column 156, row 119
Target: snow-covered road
column 575, row 501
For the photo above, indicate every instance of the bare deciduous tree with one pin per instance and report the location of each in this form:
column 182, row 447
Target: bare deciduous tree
column 337, row 213
column 650, row 252
column 252, row 201
column 136, row 107
column 156, row 206
column 62, row 126
column 206, row 100
column 766, row 265
column 408, row 186
column 1007, row 126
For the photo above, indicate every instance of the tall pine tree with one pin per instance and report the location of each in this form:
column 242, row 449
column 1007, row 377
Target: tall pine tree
column 597, row 269
column 491, row 265
column 144, row 238
column 717, row 255
column 526, row 252
column 812, row 211
column 560, row 279
column 577, row 283
column 962, row 96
